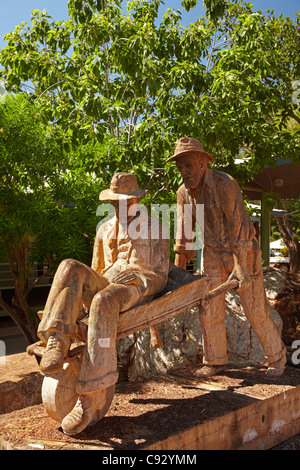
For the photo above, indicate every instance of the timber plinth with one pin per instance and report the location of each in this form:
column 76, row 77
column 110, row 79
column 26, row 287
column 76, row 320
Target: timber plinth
column 239, row 409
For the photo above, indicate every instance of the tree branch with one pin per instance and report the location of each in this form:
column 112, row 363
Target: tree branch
column 15, row 318
column 293, row 116
column 211, row 52
column 36, row 281
column 286, row 220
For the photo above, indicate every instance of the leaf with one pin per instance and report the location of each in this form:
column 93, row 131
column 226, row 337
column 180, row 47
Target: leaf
column 189, row 4
column 215, row 9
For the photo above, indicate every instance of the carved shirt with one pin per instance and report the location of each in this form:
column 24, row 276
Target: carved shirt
column 119, row 248
column 227, row 225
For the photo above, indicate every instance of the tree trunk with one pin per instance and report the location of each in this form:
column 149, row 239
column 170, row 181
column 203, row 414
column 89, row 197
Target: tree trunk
column 23, row 316
column 17, row 320
column 290, row 239
column 294, row 252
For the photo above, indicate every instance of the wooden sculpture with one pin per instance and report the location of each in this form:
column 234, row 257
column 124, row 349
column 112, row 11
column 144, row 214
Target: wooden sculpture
column 125, row 272
column 231, row 251
column 131, row 285
column 60, row 390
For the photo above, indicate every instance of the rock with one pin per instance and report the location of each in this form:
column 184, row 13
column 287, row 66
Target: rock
column 182, row 339
column 274, row 280
column 242, row 342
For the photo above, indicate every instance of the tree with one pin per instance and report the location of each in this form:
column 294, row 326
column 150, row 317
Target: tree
column 289, row 231
column 226, row 79
column 253, row 82
column 48, row 202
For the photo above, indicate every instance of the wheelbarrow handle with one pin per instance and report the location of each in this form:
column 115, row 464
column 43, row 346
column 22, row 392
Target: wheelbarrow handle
column 229, row 284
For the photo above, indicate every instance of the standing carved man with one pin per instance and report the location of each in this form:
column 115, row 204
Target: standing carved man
column 230, row 250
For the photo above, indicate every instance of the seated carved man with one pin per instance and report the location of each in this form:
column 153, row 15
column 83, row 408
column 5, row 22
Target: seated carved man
column 127, row 269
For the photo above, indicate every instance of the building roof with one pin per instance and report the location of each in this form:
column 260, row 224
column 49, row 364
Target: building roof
column 284, row 180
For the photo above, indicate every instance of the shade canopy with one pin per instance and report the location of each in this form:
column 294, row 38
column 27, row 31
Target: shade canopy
column 284, row 180
column 277, row 245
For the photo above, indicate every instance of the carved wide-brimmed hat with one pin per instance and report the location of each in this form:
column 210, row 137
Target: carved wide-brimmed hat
column 122, row 186
column 186, row 145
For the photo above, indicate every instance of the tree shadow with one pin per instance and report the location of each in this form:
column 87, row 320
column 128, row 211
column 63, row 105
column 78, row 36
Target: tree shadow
column 172, row 416
column 144, row 425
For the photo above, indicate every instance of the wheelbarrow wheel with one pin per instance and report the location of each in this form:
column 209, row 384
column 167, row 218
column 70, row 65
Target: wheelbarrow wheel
column 59, row 394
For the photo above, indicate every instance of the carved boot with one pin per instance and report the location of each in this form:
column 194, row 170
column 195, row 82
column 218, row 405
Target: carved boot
column 209, row 371
column 56, row 351
column 277, row 368
column 83, row 412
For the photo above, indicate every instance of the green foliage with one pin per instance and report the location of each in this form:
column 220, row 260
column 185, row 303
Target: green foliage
column 106, row 75
column 189, row 4
column 48, row 198
column 215, row 9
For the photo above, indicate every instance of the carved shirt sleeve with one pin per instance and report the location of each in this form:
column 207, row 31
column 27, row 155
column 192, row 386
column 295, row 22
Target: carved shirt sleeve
column 145, row 251
column 185, row 224
column 98, row 262
column 240, row 228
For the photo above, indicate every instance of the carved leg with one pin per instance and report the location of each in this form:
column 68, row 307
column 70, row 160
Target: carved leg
column 257, row 310
column 99, row 367
column 214, row 338
column 212, row 314
column 74, row 285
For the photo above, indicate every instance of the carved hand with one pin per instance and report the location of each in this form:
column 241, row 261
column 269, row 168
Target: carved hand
column 128, row 277
column 243, row 278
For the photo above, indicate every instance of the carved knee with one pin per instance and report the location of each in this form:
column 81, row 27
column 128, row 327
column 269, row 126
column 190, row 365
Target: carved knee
column 104, row 302
column 67, row 270
column 67, row 264
column 102, row 317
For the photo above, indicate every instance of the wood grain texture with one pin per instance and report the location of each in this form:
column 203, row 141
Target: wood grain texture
column 168, row 306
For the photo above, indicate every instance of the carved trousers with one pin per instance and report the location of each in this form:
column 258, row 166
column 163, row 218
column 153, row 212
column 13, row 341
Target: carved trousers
column 218, row 267
column 77, row 288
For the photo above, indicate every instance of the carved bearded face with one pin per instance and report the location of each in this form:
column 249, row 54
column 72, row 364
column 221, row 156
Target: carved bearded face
column 192, row 169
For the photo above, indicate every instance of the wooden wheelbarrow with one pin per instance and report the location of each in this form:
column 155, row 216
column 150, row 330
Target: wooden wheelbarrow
column 184, row 291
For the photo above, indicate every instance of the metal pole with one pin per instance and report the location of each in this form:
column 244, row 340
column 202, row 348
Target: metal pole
column 198, row 261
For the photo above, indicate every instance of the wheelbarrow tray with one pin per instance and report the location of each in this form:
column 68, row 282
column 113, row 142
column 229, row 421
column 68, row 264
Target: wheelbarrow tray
column 178, row 297
column 167, row 306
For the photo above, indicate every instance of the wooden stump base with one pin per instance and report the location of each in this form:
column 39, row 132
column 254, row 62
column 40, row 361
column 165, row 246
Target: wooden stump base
column 239, row 409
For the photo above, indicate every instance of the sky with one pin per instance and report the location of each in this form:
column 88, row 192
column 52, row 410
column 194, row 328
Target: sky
column 13, row 12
